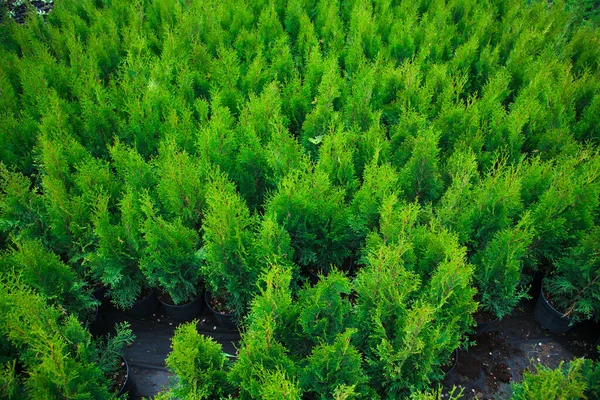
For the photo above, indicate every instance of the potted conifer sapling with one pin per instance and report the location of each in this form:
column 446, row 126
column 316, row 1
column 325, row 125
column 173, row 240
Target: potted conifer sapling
column 228, row 269
column 171, row 263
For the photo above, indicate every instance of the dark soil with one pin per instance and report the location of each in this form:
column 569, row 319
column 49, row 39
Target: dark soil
column 510, row 347
column 217, row 302
column 145, row 293
column 482, row 316
column 119, row 379
column 485, row 370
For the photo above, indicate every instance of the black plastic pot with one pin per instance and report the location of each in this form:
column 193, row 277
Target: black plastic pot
column 549, row 317
column 128, row 386
column 454, row 363
column 185, row 312
column 144, row 306
column 96, row 326
column 484, row 327
column 313, row 278
column 99, row 294
column 225, row 320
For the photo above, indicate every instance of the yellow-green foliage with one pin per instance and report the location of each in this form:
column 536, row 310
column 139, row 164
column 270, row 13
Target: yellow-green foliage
column 425, row 139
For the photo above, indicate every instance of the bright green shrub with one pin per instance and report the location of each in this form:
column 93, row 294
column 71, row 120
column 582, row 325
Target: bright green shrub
column 229, row 271
column 22, row 210
column 400, row 317
column 57, row 354
column 565, row 382
column 41, row 270
column 332, row 366
column 567, row 207
column 324, row 309
column 336, row 156
column 324, row 116
column 378, row 182
column 120, row 247
column 170, row 260
column 199, row 364
column 180, row 184
column 499, row 267
column 314, row 214
column 574, row 282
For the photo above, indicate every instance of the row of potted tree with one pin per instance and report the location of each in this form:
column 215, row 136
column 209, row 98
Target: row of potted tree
column 308, row 222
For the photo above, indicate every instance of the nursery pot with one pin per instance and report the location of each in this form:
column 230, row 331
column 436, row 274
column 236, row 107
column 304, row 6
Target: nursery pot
column 96, row 326
column 184, row 312
column 128, row 386
column 549, row 317
column 225, row 320
column 99, row 294
column 450, row 367
column 144, row 306
column 484, row 326
column 313, row 278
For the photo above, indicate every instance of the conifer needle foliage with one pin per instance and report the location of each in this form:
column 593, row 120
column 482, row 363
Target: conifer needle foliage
column 440, row 150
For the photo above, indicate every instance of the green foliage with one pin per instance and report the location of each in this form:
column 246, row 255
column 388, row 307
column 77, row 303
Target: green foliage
column 574, row 285
column 379, row 182
column 385, row 134
column 199, row 364
column 571, row 381
column 499, row 266
column 22, row 211
column 169, row 259
column 57, row 354
column 42, row 271
column 437, row 394
column 115, row 261
column 313, row 212
column 229, row 270
column 325, row 309
column 110, row 350
column 568, row 207
column 331, row 366
column 180, row 184
column 403, row 321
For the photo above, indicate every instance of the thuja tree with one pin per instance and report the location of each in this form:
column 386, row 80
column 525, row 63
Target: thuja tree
column 170, row 260
column 42, row 271
column 275, row 326
column 416, row 276
column 72, row 180
column 181, row 181
column 316, row 217
column 269, row 362
column 56, row 353
column 576, row 379
column 120, row 245
column 378, row 182
column 22, row 211
column 199, row 364
column 229, row 271
column 568, row 206
column 574, row 284
column 401, row 318
column 499, row 267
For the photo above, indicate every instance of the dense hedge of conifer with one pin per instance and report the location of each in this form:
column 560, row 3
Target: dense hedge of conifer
column 441, row 147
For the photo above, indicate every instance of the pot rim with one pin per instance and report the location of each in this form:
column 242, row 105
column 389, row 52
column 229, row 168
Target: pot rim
column 176, row 306
column 551, row 307
column 207, row 297
column 122, row 389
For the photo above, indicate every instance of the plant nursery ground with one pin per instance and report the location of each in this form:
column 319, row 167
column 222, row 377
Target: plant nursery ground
column 497, row 357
